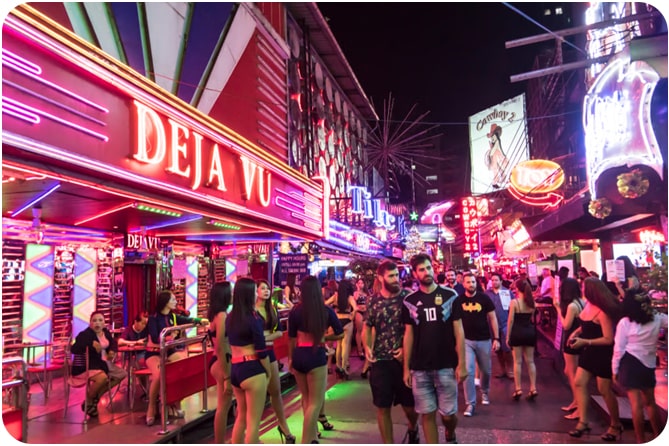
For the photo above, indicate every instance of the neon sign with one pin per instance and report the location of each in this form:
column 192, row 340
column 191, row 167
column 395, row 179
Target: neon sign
column 533, row 182
column 114, row 123
column 617, row 120
column 470, row 224
column 361, row 203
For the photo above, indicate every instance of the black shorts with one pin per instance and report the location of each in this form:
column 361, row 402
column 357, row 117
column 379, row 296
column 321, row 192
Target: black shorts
column 387, row 383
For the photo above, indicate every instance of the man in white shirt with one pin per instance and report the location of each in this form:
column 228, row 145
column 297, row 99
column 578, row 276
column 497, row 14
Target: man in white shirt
column 545, row 294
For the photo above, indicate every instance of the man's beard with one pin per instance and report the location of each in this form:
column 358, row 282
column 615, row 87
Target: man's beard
column 451, row 282
column 471, row 290
column 427, row 280
column 392, row 288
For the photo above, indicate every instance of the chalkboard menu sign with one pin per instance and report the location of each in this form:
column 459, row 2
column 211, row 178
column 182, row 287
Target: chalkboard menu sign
column 297, row 264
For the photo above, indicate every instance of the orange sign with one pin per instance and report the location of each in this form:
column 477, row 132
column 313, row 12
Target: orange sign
column 536, row 176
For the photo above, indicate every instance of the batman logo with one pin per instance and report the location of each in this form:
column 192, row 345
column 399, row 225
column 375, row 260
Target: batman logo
column 472, row 307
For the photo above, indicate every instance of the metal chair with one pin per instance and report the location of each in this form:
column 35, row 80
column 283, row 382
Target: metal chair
column 42, row 369
column 78, row 360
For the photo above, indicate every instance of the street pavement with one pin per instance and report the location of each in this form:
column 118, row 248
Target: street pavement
column 349, row 408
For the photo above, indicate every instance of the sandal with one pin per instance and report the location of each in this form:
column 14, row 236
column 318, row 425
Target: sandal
column 517, row 394
column 325, row 423
column 532, row 394
column 608, row 436
column 581, row 428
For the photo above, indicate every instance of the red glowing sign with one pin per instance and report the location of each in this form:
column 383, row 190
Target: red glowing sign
column 68, row 109
column 470, row 216
column 534, row 181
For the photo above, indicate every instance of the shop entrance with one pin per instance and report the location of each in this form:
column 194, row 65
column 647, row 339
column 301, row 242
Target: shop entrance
column 140, row 289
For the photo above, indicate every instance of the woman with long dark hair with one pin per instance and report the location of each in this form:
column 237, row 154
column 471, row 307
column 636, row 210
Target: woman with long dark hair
column 250, row 363
column 595, row 336
column 631, row 279
column 346, row 308
column 291, row 293
column 163, row 317
column 361, row 295
column 633, row 364
column 522, row 338
column 272, row 331
column 568, row 307
column 220, row 298
column 308, row 323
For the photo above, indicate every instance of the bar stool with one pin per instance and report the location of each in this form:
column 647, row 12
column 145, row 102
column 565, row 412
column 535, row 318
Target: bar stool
column 45, row 368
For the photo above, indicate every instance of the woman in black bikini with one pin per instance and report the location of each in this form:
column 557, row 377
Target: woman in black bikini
column 220, row 298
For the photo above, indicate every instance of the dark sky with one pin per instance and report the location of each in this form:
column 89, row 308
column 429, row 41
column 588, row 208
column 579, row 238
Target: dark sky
column 446, row 58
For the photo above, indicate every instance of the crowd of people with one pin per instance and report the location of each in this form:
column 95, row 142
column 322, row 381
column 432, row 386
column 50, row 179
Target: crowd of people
column 419, row 342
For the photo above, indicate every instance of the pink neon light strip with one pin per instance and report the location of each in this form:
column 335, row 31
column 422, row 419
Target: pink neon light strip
column 65, row 122
column 279, row 201
column 56, row 87
column 36, row 147
column 13, row 59
column 54, row 102
column 19, row 113
column 102, row 214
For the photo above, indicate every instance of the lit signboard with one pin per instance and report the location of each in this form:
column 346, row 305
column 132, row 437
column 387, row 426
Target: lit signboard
column 534, row 181
column 60, row 103
column 498, row 141
column 617, row 120
column 469, row 216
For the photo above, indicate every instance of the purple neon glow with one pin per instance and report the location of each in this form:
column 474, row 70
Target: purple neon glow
column 37, row 199
column 10, row 58
column 65, row 122
column 54, row 102
column 56, row 87
column 19, row 113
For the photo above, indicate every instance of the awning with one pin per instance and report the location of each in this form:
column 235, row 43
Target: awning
column 572, row 221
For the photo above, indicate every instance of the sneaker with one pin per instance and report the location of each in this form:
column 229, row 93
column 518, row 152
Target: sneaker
column 411, row 437
column 477, row 382
column 485, row 400
column 469, row 411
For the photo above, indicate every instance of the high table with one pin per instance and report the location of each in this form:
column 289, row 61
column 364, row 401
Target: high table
column 131, row 361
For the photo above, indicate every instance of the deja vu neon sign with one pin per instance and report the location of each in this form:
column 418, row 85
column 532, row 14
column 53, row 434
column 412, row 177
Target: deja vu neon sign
column 187, row 154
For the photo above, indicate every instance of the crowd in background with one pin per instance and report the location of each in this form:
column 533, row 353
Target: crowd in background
column 609, row 334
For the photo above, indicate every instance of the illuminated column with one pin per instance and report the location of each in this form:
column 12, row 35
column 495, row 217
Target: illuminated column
column 38, row 293
column 83, row 295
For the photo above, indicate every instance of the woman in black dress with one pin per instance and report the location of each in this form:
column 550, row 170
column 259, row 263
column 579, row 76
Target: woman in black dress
column 522, row 337
column 569, row 307
column 595, row 336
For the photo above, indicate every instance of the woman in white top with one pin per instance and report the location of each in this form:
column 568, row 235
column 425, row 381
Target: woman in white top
column 633, row 362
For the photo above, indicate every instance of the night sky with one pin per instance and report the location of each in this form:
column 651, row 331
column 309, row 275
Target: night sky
column 446, row 58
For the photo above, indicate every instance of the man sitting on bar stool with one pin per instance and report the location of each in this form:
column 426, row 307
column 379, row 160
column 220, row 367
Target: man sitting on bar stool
column 544, row 294
column 136, row 334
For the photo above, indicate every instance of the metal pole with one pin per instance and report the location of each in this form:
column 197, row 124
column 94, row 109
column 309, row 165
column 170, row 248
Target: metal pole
column 577, row 30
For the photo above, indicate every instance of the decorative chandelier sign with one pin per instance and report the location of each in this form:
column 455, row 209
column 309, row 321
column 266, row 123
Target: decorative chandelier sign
column 533, row 182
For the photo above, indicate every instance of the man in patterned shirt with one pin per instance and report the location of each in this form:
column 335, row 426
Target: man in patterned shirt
column 434, row 350
column 382, row 335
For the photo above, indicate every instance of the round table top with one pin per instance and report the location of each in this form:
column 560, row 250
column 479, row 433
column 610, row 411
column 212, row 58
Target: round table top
column 132, row 348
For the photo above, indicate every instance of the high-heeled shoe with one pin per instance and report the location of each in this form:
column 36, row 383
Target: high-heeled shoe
column 325, row 423
column 581, row 428
column 532, row 394
column 150, row 421
column 176, row 413
column 517, row 394
column 286, row 438
column 569, row 408
column 608, row 436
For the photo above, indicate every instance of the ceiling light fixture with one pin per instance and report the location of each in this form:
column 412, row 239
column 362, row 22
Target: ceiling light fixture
column 155, row 210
